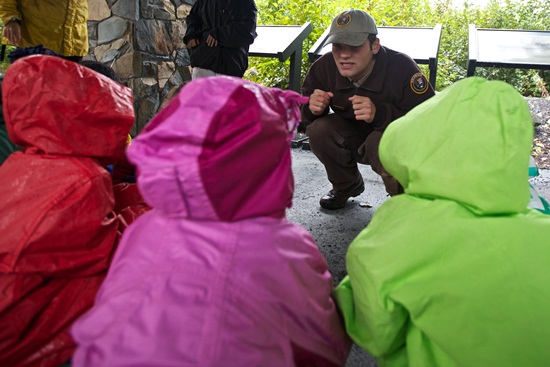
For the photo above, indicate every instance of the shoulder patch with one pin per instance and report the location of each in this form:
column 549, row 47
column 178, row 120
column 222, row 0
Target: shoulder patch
column 419, row 84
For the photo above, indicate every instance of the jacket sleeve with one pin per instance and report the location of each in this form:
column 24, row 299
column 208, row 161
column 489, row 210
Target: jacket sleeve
column 312, row 81
column 410, row 96
column 241, row 30
column 293, row 255
column 373, row 320
column 76, row 235
column 8, row 11
column 193, row 23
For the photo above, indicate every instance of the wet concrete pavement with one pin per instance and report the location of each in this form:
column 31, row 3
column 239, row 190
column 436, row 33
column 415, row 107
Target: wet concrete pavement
column 334, row 230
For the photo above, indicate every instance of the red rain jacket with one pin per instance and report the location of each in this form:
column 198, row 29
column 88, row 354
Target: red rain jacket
column 58, row 227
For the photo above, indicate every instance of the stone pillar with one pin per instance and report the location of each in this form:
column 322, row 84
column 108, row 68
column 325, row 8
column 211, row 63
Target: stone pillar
column 142, row 40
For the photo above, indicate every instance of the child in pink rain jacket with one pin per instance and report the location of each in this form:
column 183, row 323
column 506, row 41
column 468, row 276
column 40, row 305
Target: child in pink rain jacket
column 214, row 274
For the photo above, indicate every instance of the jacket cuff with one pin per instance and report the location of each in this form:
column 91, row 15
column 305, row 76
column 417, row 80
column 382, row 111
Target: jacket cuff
column 13, row 19
column 380, row 117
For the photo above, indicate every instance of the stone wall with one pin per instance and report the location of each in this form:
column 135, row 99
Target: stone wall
column 142, row 40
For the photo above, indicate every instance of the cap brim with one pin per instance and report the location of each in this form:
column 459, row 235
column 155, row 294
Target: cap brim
column 351, row 39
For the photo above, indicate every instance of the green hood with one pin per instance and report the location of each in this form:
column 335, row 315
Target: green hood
column 470, row 143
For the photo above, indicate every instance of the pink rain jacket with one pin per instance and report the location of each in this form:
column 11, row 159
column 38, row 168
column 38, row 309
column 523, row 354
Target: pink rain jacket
column 215, row 275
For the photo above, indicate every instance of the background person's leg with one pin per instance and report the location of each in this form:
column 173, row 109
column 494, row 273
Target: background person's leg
column 201, row 73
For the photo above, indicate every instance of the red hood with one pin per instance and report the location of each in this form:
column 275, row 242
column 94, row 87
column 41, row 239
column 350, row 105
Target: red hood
column 55, row 106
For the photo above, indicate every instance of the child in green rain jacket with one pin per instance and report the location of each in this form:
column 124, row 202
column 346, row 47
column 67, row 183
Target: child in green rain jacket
column 455, row 272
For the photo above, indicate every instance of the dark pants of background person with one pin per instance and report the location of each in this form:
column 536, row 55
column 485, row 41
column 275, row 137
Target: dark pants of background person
column 340, row 144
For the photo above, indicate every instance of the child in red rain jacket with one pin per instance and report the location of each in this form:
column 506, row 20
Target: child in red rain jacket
column 58, row 224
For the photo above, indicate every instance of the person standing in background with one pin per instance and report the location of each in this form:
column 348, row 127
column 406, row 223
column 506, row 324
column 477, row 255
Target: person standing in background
column 59, row 25
column 219, row 34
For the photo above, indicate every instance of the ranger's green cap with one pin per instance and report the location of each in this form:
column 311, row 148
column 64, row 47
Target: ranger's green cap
column 352, row 27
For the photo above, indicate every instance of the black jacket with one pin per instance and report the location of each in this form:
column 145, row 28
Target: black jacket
column 232, row 23
column 396, row 85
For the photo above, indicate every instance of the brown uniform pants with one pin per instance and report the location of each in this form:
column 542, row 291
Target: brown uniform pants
column 341, row 144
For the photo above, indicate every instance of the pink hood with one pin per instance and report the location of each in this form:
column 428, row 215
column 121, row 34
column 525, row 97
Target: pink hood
column 219, row 150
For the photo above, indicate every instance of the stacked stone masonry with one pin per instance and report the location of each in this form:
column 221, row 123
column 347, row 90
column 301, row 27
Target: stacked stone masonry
column 142, row 40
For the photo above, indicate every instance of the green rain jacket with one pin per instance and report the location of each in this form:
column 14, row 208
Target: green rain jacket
column 456, row 271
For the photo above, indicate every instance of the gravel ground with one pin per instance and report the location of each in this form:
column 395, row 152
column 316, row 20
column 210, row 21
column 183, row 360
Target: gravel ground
column 540, row 112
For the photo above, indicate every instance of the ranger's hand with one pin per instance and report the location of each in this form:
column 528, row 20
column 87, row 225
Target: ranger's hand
column 319, row 101
column 12, row 31
column 363, row 108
